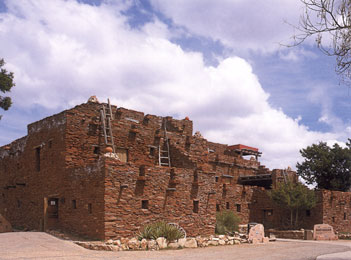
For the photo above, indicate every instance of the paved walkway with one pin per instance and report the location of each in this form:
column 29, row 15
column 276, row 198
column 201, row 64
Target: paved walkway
column 37, row 245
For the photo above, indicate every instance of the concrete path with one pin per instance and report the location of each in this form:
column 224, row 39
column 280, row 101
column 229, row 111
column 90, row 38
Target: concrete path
column 37, row 245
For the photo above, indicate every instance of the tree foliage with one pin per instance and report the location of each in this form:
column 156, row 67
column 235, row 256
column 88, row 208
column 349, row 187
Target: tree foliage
column 294, row 197
column 328, row 167
column 330, row 22
column 6, row 83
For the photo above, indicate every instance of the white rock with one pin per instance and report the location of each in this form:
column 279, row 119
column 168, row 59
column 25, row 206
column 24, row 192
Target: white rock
column 181, row 242
column 110, row 242
column 152, row 245
column 161, row 242
column 221, row 242
column 213, row 243
column 173, row 245
column 190, row 243
column 143, row 244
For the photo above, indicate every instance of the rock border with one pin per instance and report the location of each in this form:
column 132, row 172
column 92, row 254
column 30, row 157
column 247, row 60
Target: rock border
column 161, row 243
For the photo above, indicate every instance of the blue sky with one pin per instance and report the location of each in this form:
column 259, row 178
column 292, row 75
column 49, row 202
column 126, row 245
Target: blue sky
column 219, row 62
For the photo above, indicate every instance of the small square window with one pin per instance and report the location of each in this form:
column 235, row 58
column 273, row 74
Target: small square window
column 218, row 207
column 344, row 216
column 216, row 178
column 196, row 206
column 227, row 205
column 238, row 208
column 144, row 204
column 308, row 213
column 152, row 151
column 74, row 204
column 96, row 150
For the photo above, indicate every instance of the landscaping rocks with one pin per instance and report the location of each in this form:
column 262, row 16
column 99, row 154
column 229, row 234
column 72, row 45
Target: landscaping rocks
column 162, row 243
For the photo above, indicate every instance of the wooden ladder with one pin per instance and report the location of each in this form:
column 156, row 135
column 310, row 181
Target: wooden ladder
column 106, row 117
column 163, row 155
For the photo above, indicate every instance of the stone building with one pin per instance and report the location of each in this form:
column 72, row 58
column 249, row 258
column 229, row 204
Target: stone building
column 103, row 172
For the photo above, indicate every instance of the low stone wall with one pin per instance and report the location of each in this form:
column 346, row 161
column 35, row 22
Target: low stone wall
column 290, row 234
column 162, row 243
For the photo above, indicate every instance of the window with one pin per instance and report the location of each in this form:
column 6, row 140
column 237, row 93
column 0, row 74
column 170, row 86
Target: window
column 142, row 170
column 92, row 130
column 333, row 219
column 227, row 205
column 96, row 149
column 122, row 154
column 90, row 210
column 152, row 151
column 218, row 207
column 344, row 216
column 216, row 178
column 37, row 158
column 238, row 208
column 308, row 213
column 74, row 204
column 50, row 143
column 196, row 206
column 144, row 204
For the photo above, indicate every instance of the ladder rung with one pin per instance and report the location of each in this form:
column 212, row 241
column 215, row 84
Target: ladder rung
column 163, row 151
column 164, row 157
column 164, row 163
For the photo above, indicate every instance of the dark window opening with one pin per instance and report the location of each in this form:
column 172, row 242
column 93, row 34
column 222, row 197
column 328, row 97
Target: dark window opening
column 218, row 207
column 74, row 204
column 50, row 143
column 333, row 218
column 37, row 158
column 196, row 177
column 227, row 205
column 217, row 178
column 238, row 208
column 144, row 204
column 308, row 213
column 96, row 150
column 142, row 170
column 196, row 206
column 152, row 151
column 132, row 135
column 344, row 216
column 90, row 209
column 92, row 130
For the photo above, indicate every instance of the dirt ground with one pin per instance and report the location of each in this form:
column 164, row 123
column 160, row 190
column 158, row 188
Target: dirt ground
column 38, row 245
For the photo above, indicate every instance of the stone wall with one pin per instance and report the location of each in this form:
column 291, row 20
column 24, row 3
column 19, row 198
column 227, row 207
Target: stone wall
column 62, row 159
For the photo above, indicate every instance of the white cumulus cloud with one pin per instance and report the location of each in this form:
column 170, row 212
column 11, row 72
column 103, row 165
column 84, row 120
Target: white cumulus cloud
column 62, row 52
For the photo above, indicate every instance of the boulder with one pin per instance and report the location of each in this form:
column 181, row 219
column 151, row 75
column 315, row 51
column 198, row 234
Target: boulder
column 190, row 243
column 143, row 244
column 181, row 242
column 173, row 245
column 152, row 245
column 221, row 242
column 161, row 242
column 134, row 244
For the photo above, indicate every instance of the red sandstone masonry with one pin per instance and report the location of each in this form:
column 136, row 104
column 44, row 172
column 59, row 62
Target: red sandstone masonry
column 108, row 194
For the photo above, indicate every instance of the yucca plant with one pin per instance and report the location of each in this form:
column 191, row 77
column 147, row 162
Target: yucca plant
column 160, row 229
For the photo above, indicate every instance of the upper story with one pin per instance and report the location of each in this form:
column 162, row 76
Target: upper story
column 75, row 138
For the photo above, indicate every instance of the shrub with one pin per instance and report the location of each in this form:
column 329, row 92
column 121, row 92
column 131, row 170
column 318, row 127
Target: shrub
column 226, row 222
column 160, row 229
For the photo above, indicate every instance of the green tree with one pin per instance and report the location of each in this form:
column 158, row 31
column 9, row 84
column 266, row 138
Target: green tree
column 6, row 83
column 294, row 197
column 328, row 167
